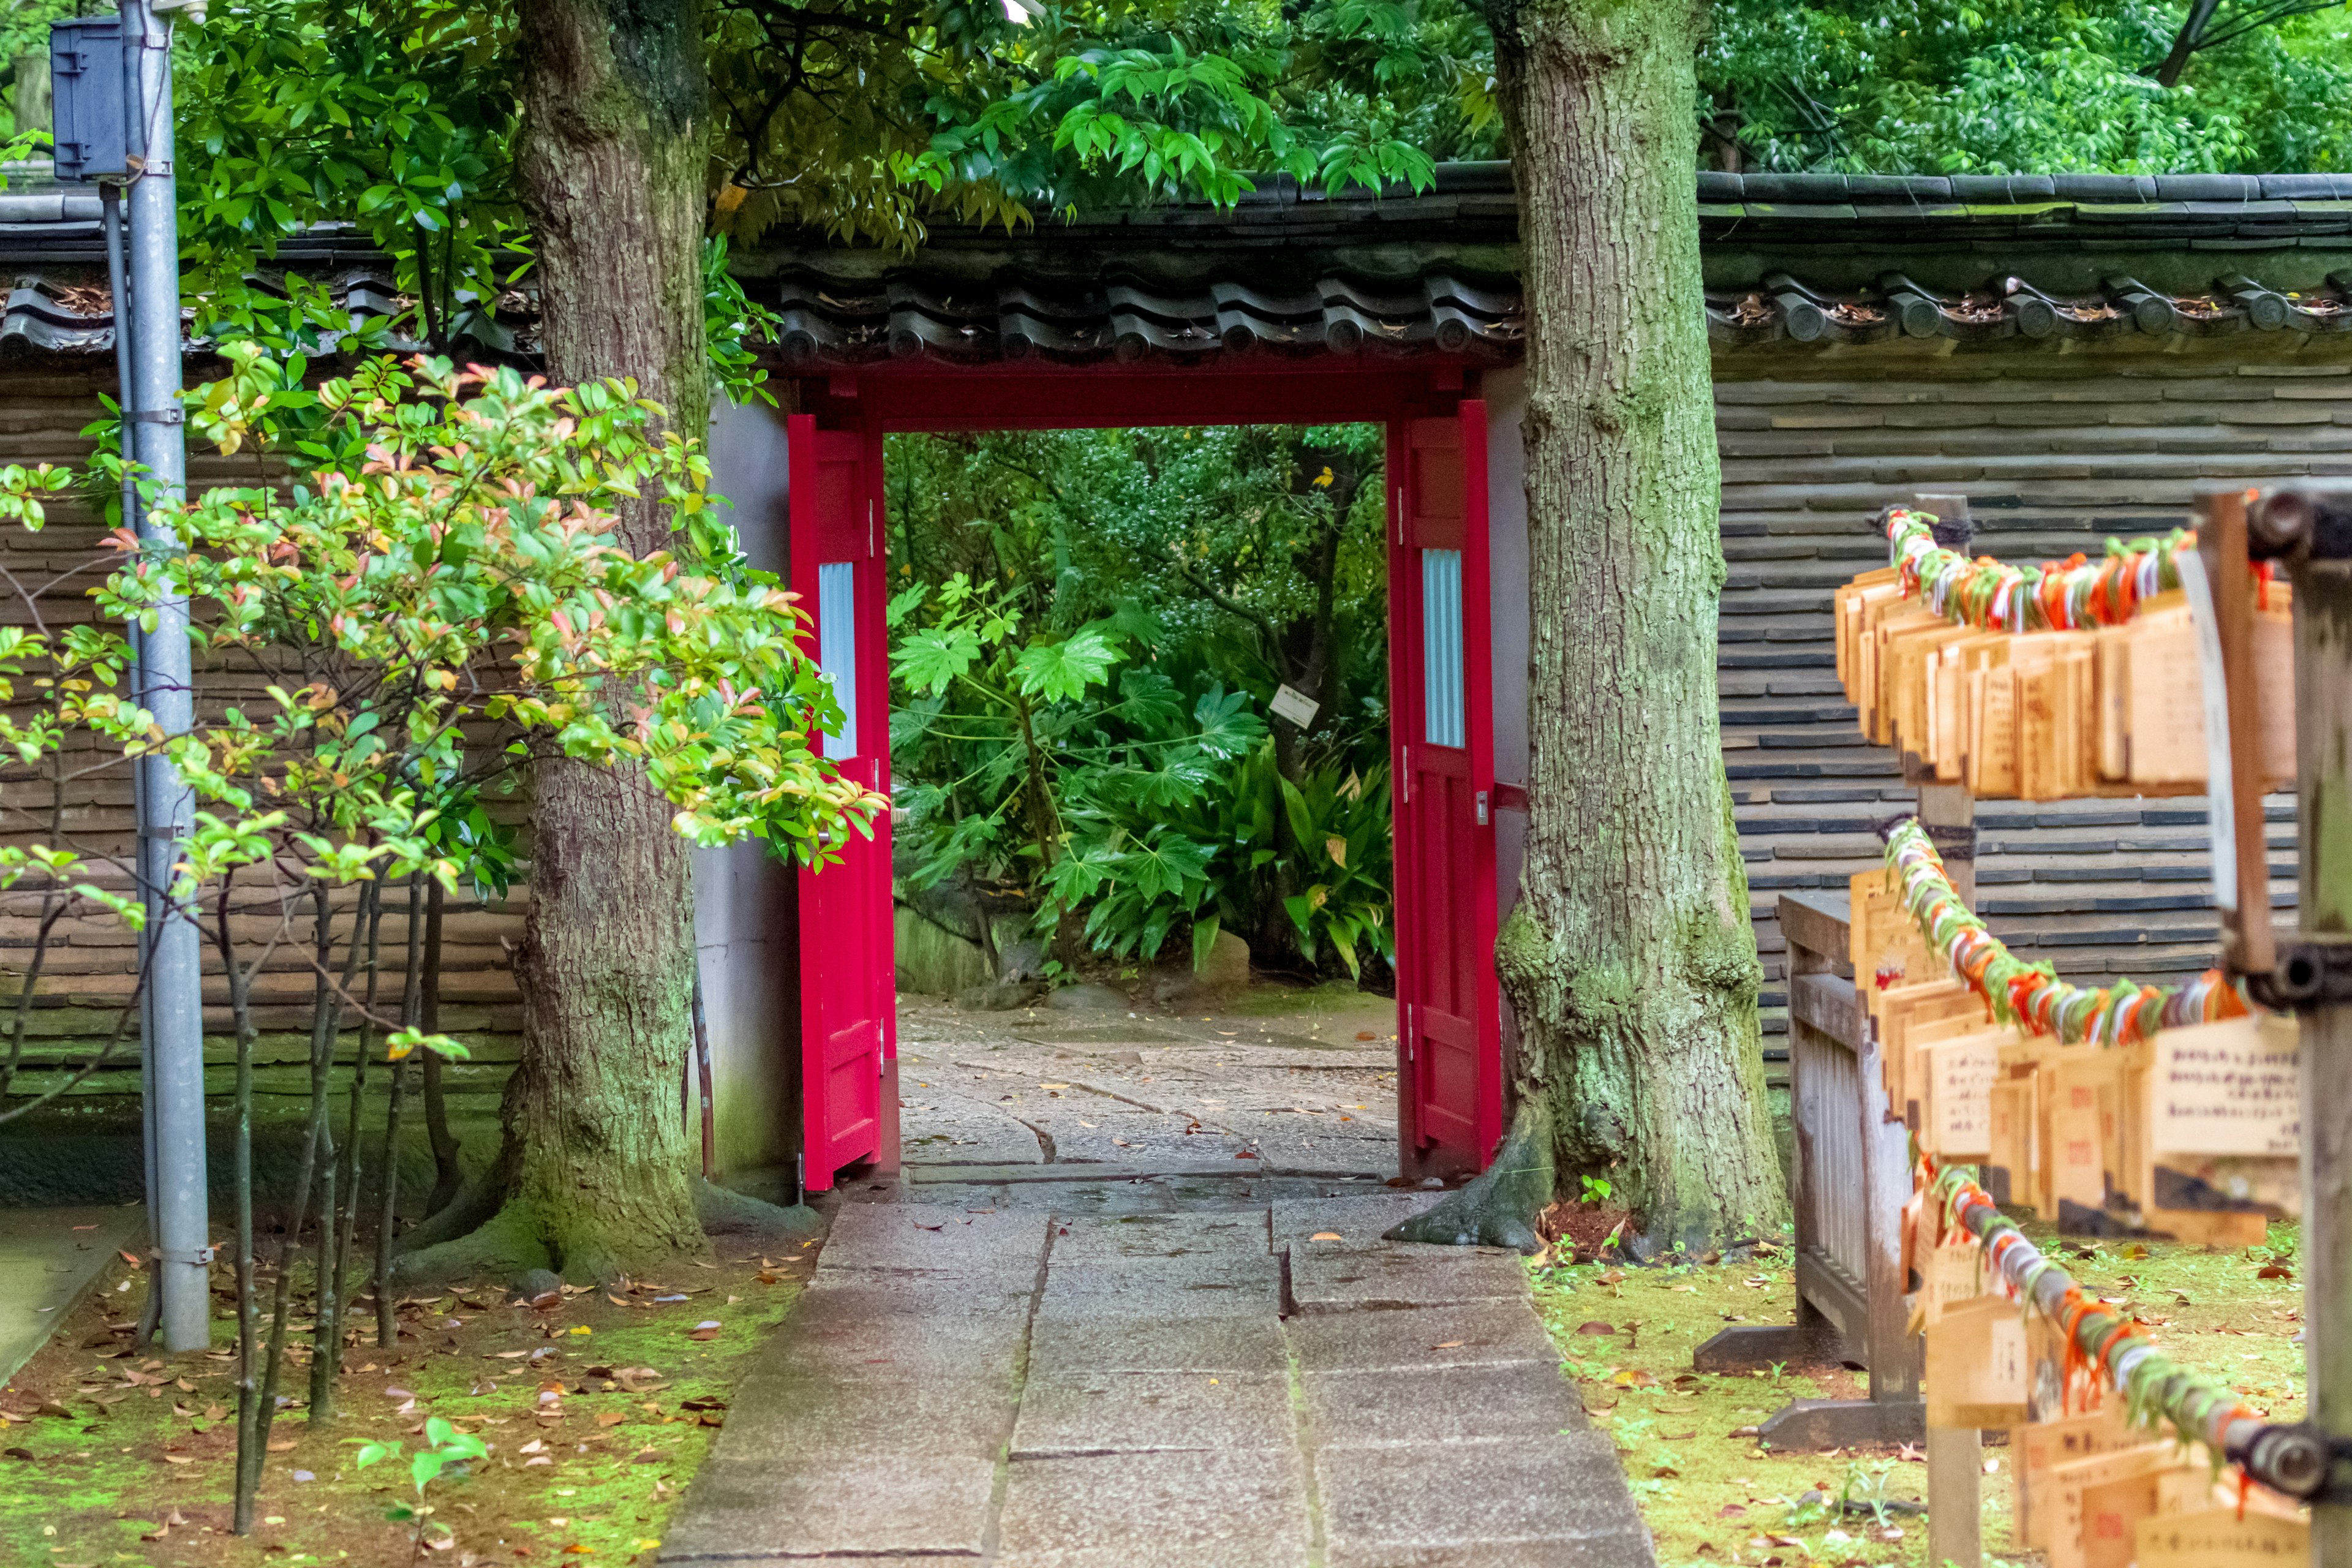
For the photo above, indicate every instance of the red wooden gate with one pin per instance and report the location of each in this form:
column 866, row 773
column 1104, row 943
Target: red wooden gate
column 848, row 994
column 1450, row 1101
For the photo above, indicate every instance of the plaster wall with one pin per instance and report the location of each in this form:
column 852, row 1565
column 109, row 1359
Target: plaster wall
column 746, row 908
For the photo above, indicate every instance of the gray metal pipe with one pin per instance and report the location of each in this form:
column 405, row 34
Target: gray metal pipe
column 154, row 434
column 110, row 199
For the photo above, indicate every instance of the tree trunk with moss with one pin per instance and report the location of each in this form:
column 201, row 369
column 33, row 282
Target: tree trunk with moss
column 1630, row 961
column 594, row 1180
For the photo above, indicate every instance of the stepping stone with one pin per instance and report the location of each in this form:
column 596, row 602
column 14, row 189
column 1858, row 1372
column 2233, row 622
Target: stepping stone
column 1135, row 1412
column 1192, row 1510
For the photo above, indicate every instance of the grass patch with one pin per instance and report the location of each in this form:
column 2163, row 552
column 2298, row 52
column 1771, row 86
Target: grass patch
column 1714, row 1495
column 113, row 1458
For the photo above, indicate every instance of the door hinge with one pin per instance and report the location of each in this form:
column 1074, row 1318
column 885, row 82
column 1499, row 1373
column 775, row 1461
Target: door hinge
column 869, row 528
column 1482, row 808
column 1400, row 516
column 1408, row 1051
column 1405, row 776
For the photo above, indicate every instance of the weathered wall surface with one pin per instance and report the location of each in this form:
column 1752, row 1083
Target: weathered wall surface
column 89, row 969
column 2057, row 452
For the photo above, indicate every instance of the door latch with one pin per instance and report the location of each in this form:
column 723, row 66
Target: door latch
column 1482, row 808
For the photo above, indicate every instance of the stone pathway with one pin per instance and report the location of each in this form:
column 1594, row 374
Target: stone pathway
column 1121, row 1375
column 47, row 1258
column 1044, row 1094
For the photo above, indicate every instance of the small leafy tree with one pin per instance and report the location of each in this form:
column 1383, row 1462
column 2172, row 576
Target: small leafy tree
column 443, row 1445
column 436, row 603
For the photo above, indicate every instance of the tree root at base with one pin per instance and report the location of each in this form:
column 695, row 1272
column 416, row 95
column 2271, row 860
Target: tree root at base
column 530, row 1251
column 1499, row 1206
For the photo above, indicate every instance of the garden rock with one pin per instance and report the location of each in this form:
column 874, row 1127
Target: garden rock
column 934, row 960
column 1224, row 973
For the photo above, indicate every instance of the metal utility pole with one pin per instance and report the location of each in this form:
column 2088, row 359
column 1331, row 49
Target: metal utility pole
column 153, row 435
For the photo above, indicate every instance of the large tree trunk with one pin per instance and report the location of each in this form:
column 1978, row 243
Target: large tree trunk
column 593, row 1179
column 1630, row 961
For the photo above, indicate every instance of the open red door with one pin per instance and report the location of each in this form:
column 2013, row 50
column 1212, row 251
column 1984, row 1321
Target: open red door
column 1450, row 1054
column 848, row 986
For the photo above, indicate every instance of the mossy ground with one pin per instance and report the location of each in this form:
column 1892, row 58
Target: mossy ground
column 1716, row 1498
column 138, row 1469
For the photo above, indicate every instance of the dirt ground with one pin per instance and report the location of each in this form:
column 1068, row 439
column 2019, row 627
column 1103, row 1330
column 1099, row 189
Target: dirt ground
column 596, row 1410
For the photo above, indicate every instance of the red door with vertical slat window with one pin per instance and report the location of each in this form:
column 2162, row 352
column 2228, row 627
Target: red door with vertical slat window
column 848, row 994
column 1442, row 717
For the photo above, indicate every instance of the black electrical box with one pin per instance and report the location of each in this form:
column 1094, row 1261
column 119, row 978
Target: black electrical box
column 86, row 79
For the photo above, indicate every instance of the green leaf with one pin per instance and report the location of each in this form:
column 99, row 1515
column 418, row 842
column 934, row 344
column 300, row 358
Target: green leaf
column 928, row 661
column 1063, row 671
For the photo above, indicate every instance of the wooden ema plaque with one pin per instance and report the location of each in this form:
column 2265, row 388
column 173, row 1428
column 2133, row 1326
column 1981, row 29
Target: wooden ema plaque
column 2080, row 1129
column 1949, row 1277
column 1887, row 950
column 2219, row 1128
column 1957, row 1119
column 2091, row 1507
column 2050, row 715
column 2223, row 1537
column 2008, row 1168
column 1978, row 1368
column 2038, row 1447
column 1906, row 1012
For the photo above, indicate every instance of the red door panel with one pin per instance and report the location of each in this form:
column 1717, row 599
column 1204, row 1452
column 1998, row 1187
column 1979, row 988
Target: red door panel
column 1440, row 678
column 847, row 990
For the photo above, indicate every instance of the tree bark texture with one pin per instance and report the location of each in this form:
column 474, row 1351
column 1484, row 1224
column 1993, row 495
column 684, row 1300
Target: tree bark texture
column 594, row 1170
column 1630, row 961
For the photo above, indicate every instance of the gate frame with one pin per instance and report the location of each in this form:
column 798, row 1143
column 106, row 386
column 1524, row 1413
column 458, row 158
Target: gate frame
column 921, row 394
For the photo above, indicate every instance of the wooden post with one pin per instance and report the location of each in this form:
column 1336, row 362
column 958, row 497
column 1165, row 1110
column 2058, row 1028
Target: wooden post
column 2323, row 719
column 1955, row 1454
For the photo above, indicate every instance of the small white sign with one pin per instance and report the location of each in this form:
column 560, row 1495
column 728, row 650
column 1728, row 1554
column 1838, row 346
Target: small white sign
column 1294, row 705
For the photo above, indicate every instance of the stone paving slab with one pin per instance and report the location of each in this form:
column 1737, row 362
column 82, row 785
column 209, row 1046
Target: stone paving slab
column 1204, row 1286
column 1131, row 1412
column 1467, row 1333
column 813, row 1413
column 1438, row 1404
column 746, row 1505
column 1243, row 1232
column 1099, row 1374
column 47, row 1258
column 1331, row 1276
column 1192, row 1510
column 1359, row 1219
column 1214, row 1346
column 1560, row 1500
column 935, row 1235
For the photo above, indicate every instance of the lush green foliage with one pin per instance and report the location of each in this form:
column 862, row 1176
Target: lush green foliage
column 2006, row 87
column 1093, row 626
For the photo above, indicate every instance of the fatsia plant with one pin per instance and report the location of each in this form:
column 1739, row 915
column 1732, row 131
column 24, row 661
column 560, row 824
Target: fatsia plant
column 1035, row 761
column 438, row 601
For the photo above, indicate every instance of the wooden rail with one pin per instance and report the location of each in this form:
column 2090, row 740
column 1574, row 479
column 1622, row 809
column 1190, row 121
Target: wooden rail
column 1853, row 1176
